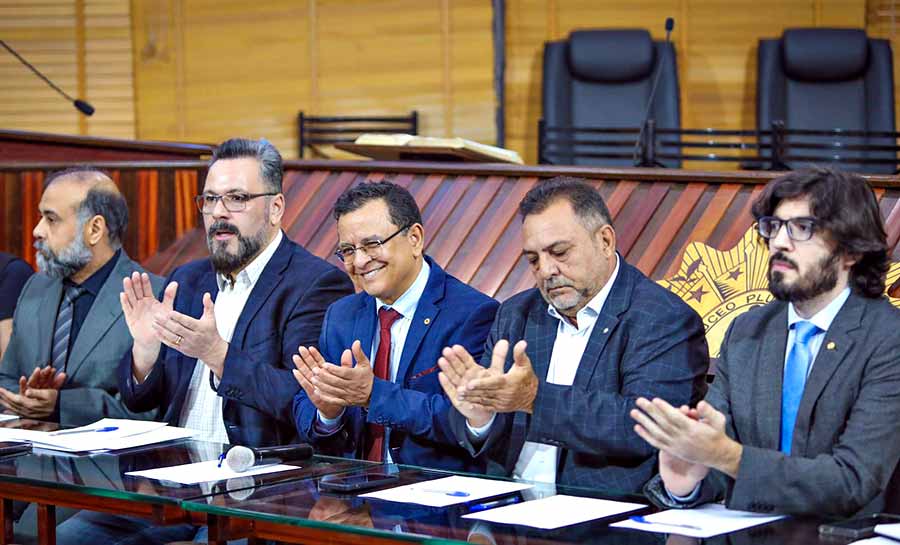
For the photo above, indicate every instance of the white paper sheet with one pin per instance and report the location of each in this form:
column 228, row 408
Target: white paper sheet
column 705, row 521
column 874, row 541
column 555, row 511
column 128, row 434
column 447, row 491
column 202, row 472
column 890, row 530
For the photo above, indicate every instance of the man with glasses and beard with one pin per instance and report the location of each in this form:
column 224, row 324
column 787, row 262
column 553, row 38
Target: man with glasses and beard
column 69, row 332
column 214, row 354
column 802, row 415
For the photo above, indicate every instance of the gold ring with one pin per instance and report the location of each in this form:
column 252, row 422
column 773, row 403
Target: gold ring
column 178, row 340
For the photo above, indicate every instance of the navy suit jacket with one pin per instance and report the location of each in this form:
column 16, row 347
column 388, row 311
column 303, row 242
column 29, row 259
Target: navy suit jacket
column 284, row 311
column 646, row 342
column 414, row 409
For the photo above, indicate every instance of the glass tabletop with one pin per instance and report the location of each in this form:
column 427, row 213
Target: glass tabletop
column 304, row 504
column 105, row 474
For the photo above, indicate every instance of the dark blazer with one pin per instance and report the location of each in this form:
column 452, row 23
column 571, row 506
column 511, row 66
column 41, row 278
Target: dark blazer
column 646, row 342
column 284, row 311
column 846, row 439
column 91, row 391
column 414, row 409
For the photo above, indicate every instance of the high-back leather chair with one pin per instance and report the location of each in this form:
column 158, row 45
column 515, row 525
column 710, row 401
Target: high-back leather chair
column 602, row 78
column 828, row 78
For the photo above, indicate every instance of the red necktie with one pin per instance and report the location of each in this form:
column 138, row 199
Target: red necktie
column 375, row 432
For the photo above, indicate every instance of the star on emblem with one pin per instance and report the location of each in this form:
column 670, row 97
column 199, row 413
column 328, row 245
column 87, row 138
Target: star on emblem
column 698, row 294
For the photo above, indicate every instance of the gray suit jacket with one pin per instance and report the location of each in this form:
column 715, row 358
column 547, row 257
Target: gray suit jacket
column 91, row 389
column 846, row 438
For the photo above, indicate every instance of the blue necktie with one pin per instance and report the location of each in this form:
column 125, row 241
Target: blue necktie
column 795, row 371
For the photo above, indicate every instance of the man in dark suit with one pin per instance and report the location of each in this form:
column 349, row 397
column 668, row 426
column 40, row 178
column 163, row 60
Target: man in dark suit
column 586, row 343
column 215, row 354
column 389, row 406
column 68, row 330
column 802, row 415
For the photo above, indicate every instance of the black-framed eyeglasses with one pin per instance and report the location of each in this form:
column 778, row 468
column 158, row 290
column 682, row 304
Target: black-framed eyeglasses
column 371, row 248
column 233, row 202
column 799, row 229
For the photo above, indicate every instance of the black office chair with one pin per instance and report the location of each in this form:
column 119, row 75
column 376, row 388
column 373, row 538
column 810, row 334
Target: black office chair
column 602, row 79
column 329, row 130
column 824, row 79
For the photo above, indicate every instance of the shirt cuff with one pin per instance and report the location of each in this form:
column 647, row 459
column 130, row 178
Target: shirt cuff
column 327, row 425
column 481, row 431
column 695, row 493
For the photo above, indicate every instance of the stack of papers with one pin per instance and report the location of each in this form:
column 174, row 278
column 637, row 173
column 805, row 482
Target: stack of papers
column 704, row 521
column 555, row 511
column 447, row 491
column 104, row 435
column 203, row 472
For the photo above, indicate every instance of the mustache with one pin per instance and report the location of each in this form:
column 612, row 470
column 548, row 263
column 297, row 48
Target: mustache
column 779, row 256
column 557, row 283
column 222, row 226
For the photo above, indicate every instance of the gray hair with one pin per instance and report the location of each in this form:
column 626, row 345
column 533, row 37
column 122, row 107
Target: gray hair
column 270, row 165
column 99, row 201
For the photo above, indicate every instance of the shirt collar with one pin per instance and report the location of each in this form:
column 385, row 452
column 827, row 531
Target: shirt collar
column 251, row 273
column 588, row 315
column 406, row 304
column 93, row 284
column 824, row 317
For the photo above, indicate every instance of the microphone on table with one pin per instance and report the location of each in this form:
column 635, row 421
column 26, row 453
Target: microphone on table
column 240, row 458
column 80, row 105
column 670, row 25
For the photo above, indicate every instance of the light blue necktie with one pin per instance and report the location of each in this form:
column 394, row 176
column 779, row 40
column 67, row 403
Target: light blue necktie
column 795, row 371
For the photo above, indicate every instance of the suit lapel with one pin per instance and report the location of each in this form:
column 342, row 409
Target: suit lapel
column 102, row 315
column 364, row 327
column 768, row 381
column 616, row 304
column 269, row 279
column 836, row 345
column 426, row 312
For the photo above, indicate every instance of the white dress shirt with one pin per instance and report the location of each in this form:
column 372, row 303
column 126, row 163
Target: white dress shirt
column 822, row 319
column 406, row 305
column 202, row 410
column 538, row 461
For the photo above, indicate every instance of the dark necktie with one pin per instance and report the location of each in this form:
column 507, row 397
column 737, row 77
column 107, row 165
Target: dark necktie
column 59, row 354
column 375, row 432
column 795, row 370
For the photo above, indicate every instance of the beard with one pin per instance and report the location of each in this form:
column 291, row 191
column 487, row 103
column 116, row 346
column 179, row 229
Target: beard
column 820, row 278
column 67, row 262
column 225, row 262
column 567, row 302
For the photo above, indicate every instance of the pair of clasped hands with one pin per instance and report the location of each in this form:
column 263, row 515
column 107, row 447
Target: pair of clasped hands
column 475, row 391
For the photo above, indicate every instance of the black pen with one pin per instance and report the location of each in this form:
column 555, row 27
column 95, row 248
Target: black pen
column 496, row 503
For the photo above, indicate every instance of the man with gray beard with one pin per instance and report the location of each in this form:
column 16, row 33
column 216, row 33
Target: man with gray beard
column 69, row 332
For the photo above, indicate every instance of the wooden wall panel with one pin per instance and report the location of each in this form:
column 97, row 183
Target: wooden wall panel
column 82, row 45
column 208, row 70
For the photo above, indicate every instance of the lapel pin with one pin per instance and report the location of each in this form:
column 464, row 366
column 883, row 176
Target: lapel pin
column 428, row 321
column 606, row 330
column 831, row 345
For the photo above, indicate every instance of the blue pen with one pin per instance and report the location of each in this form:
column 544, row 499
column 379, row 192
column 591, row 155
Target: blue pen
column 98, row 430
column 642, row 520
column 221, row 459
column 454, row 493
column 496, row 503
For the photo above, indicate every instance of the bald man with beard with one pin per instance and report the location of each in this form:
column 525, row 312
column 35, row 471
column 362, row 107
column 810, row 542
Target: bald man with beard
column 68, row 329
